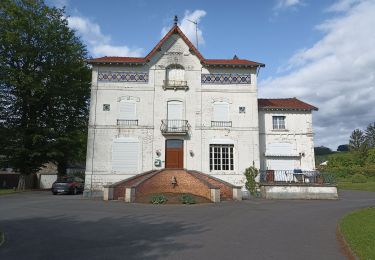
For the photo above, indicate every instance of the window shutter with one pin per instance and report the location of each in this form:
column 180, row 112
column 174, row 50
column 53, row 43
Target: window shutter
column 175, row 110
column 176, row 74
column 127, row 110
column 221, row 111
column 125, row 155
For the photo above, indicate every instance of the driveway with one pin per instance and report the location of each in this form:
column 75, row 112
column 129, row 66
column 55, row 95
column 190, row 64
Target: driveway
column 38, row 225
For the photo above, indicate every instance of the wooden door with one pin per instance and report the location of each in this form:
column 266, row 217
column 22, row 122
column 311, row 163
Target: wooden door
column 174, row 155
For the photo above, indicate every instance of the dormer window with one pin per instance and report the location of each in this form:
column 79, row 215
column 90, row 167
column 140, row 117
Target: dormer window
column 175, row 77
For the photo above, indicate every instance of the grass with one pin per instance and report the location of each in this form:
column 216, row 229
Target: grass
column 346, row 184
column 358, row 228
column 7, row 191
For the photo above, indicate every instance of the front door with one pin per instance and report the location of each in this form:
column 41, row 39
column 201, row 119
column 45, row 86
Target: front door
column 174, row 155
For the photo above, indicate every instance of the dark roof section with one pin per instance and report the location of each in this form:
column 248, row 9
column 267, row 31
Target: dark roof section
column 175, row 30
column 284, row 104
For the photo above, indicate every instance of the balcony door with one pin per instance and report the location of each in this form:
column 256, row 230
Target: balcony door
column 175, row 115
column 174, row 153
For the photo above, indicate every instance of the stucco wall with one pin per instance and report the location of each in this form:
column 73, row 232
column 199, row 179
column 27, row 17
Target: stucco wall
column 151, row 100
column 298, row 132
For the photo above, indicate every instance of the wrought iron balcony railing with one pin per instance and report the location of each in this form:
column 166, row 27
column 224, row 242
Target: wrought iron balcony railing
column 127, row 122
column 221, row 123
column 295, row 176
column 174, row 126
column 175, row 84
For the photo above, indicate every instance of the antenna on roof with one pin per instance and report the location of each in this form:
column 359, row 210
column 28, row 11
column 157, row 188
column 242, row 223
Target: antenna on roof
column 175, row 20
column 196, row 30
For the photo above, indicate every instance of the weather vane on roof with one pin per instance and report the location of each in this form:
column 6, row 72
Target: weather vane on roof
column 175, row 20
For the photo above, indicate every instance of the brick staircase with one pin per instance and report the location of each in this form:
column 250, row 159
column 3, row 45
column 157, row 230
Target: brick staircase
column 172, row 181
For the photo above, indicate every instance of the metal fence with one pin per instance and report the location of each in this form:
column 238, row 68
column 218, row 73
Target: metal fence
column 295, row 176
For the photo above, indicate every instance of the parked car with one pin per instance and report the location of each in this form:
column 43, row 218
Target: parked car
column 68, row 185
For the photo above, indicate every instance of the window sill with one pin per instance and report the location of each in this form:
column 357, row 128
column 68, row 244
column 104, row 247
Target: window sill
column 279, row 130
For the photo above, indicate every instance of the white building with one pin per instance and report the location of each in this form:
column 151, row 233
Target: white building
column 176, row 109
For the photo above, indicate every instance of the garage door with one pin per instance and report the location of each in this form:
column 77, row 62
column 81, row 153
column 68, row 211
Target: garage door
column 125, row 153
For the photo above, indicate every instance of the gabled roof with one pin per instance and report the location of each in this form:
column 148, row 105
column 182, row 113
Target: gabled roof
column 175, row 30
column 284, row 104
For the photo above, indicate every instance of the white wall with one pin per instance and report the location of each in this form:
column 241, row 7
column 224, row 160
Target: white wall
column 151, row 100
column 298, row 132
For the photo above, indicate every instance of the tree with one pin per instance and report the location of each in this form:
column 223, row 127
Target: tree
column 44, row 86
column 343, row 148
column 250, row 174
column 370, row 135
column 357, row 141
column 322, row 150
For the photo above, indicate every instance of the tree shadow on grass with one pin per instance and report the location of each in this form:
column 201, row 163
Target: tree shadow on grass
column 108, row 238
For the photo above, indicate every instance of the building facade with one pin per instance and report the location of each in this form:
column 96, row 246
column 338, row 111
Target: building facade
column 176, row 109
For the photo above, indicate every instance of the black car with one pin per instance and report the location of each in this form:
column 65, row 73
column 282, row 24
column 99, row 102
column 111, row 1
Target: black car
column 68, row 185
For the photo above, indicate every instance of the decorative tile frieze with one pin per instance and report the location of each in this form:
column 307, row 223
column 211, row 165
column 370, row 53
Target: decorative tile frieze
column 225, row 78
column 122, row 76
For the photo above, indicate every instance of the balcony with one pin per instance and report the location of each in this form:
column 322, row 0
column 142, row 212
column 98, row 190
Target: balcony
column 174, row 127
column 127, row 122
column 175, row 85
column 221, row 123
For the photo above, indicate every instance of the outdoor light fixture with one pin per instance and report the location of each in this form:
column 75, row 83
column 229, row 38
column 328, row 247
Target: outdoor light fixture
column 174, row 181
column 158, row 153
column 191, row 153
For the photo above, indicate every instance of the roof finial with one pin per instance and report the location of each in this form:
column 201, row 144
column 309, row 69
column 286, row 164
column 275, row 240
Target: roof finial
column 175, row 20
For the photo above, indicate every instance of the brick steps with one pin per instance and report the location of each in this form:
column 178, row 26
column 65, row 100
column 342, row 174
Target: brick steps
column 172, row 181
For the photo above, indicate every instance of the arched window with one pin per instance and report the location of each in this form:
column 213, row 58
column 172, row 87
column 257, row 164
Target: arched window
column 175, row 72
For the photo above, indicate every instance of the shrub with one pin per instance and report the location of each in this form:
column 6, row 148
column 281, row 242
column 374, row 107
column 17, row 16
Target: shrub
column 359, row 178
column 250, row 174
column 187, row 199
column 158, row 199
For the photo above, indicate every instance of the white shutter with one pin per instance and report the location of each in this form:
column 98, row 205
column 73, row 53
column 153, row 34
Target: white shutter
column 221, row 111
column 276, row 149
column 125, row 153
column 127, row 110
column 175, row 110
column 176, row 74
column 281, row 164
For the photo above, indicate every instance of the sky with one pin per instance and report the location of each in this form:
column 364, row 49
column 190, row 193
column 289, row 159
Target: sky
column 320, row 51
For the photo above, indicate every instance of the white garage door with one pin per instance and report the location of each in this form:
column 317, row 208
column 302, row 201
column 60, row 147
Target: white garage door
column 125, row 153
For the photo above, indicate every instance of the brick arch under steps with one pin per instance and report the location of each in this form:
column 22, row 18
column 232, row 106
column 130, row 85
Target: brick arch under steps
column 160, row 181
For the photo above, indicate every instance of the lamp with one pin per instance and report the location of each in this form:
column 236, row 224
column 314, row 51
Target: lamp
column 191, row 153
column 158, row 153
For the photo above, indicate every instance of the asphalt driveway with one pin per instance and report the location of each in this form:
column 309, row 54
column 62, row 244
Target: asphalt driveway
column 38, row 225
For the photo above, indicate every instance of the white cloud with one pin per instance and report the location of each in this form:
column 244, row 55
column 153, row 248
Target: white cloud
column 99, row 44
column 337, row 74
column 188, row 28
column 284, row 4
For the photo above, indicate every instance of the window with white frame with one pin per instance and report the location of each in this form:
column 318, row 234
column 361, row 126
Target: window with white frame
column 221, row 157
column 221, row 115
column 127, row 114
column 278, row 122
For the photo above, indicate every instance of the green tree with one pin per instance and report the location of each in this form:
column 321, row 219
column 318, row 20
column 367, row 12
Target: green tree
column 44, row 86
column 370, row 135
column 343, row 148
column 250, row 174
column 322, row 150
column 357, row 141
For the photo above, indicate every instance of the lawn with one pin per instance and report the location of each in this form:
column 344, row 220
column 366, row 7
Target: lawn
column 346, row 184
column 358, row 228
column 7, row 191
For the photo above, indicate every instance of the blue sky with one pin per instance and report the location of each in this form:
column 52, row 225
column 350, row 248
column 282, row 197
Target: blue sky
column 319, row 51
